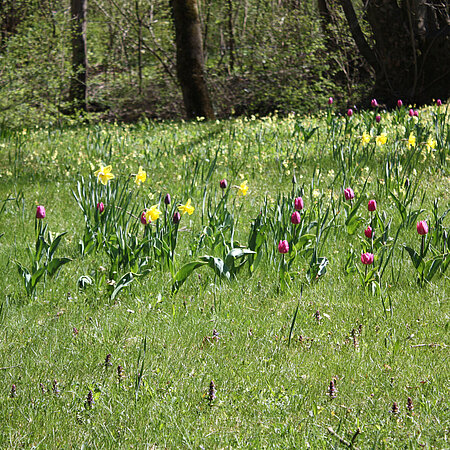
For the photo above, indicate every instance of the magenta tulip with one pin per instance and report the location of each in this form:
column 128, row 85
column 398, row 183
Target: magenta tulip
column 416, row 113
column 100, row 207
column 372, row 206
column 422, row 228
column 283, row 247
column 349, row 194
column 439, row 102
column 40, row 212
column 399, row 103
column 330, row 101
column 374, row 103
column 176, row 217
column 296, row 218
column 298, row 204
column 368, row 232
column 367, row 258
column 223, row 184
column 167, row 199
column 377, row 118
column 144, row 219
column 350, row 112
column 411, row 113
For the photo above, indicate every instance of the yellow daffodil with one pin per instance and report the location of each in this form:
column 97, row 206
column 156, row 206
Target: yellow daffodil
column 152, row 214
column 381, row 139
column 104, row 174
column 187, row 208
column 431, row 143
column 365, row 138
column 243, row 188
column 411, row 141
column 141, row 176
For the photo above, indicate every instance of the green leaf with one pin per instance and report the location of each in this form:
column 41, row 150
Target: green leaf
column 54, row 245
column 432, row 266
column 55, row 264
column 126, row 280
column 182, row 275
column 415, row 257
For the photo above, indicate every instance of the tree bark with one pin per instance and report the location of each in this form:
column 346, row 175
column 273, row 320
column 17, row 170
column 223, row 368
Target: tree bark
column 190, row 63
column 411, row 55
column 78, row 86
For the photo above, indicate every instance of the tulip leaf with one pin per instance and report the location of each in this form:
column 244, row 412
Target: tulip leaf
column 432, row 266
column 182, row 275
column 125, row 281
column 415, row 257
column 55, row 264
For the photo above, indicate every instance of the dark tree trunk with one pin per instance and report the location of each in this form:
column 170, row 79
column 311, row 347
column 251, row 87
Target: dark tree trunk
column 78, row 87
column 411, row 55
column 190, row 64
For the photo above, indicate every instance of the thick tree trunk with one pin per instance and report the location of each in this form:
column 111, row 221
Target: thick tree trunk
column 411, row 55
column 78, row 86
column 190, row 64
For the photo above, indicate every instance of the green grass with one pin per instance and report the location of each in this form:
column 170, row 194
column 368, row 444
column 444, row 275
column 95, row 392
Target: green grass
column 268, row 393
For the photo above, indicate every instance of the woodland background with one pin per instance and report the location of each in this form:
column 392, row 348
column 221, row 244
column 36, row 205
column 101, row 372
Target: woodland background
column 117, row 59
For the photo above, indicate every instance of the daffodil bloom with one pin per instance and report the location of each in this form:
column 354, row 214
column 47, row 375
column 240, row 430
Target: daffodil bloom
column 104, row 174
column 411, row 141
column 187, row 208
column 141, row 176
column 431, row 143
column 365, row 138
column 152, row 214
column 381, row 139
column 243, row 188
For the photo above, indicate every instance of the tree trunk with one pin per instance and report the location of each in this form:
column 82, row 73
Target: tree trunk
column 411, row 55
column 190, row 64
column 78, row 87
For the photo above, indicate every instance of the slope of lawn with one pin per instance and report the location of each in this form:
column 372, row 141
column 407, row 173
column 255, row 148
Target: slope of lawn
column 200, row 333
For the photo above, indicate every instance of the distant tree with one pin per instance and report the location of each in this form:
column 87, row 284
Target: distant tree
column 411, row 52
column 190, row 63
column 78, row 86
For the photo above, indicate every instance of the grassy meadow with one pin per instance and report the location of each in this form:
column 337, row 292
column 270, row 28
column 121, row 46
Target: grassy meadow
column 188, row 328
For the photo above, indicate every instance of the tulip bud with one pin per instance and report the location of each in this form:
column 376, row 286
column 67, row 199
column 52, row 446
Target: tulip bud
column 368, row 232
column 350, row 112
column 223, row 184
column 372, row 206
column 439, row 102
column 411, row 113
column 416, row 113
column 399, row 103
column 144, row 219
column 377, row 118
column 100, row 207
column 367, row 258
column 298, row 204
column 349, row 194
column 295, row 218
column 167, row 199
column 40, row 212
column 422, row 227
column 176, row 217
column 374, row 103
column 330, row 101
column 283, row 247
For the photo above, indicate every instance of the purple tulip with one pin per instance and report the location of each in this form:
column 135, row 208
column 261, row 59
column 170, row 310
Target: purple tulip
column 167, row 199
column 296, row 218
column 350, row 112
column 372, row 206
column 298, row 204
column 176, row 217
column 100, row 207
column 377, row 118
column 367, row 258
column 223, row 184
column 40, row 212
column 374, row 103
column 349, row 194
column 422, row 228
column 368, row 232
column 399, row 103
column 283, row 247
column 439, row 102
column 144, row 219
column 330, row 101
